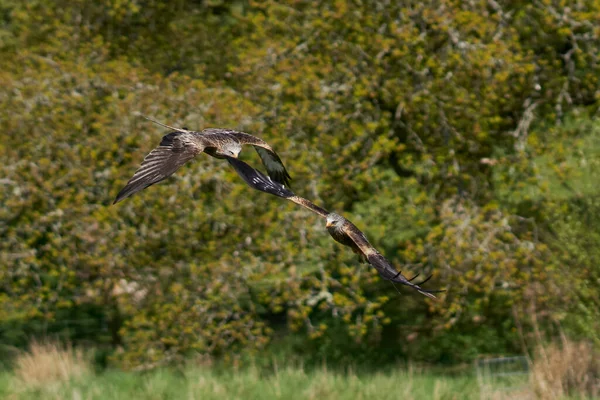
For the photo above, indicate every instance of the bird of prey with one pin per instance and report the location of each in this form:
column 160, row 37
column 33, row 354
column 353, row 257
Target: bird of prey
column 340, row 229
column 181, row 145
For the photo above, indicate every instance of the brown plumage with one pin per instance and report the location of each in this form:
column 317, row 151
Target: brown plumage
column 346, row 233
column 181, row 145
column 340, row 229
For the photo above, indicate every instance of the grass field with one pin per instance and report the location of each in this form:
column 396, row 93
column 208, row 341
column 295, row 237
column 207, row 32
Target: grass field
column 49, row 371
column 249, row 383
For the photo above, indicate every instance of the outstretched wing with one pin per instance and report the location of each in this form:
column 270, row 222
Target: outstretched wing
column 270, row 159
column 175, row 149
column 257, row 180
column 380, row 263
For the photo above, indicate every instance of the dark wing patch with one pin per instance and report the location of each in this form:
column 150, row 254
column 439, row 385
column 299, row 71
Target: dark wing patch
column 175, row 149
column 274, row 165
column 257, row 180
column 388, row 272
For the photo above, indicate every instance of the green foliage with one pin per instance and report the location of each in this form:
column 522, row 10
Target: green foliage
column 575, row 236
column 440, row 128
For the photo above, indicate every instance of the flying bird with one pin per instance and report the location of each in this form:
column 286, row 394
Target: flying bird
column 181, row 145
column 340, row 229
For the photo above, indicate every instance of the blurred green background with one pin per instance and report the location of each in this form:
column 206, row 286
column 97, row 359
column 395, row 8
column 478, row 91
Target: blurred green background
column 460, row 136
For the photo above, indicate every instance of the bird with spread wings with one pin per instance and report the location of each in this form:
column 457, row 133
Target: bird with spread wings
column 340, row 229
column 181, row 145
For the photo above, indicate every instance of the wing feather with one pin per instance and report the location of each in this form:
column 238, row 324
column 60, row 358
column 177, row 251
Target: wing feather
column 257, row 180
column 359, row 238
column 274, row 165
column 379, row 262
column 309, row 205
column 270, row 159
column 388, row 272
column 174, row 150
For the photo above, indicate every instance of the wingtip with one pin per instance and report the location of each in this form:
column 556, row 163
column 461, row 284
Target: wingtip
column 118, row 199
column 123, row 194
column 430, row 295
column 184, row 130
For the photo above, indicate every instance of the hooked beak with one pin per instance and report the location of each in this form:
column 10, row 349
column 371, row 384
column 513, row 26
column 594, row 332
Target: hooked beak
column 328, row 224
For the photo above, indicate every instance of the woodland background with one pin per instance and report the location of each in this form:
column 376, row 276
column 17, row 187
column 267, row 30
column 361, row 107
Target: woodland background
column 461, row 136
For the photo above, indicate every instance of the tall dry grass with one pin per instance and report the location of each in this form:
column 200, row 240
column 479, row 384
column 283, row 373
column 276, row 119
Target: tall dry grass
column 49, row 362
column 561, row 370
column 564, row 369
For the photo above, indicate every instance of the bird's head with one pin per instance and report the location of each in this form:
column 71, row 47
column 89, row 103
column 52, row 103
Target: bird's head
column 233, row 149
column 334, row 220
